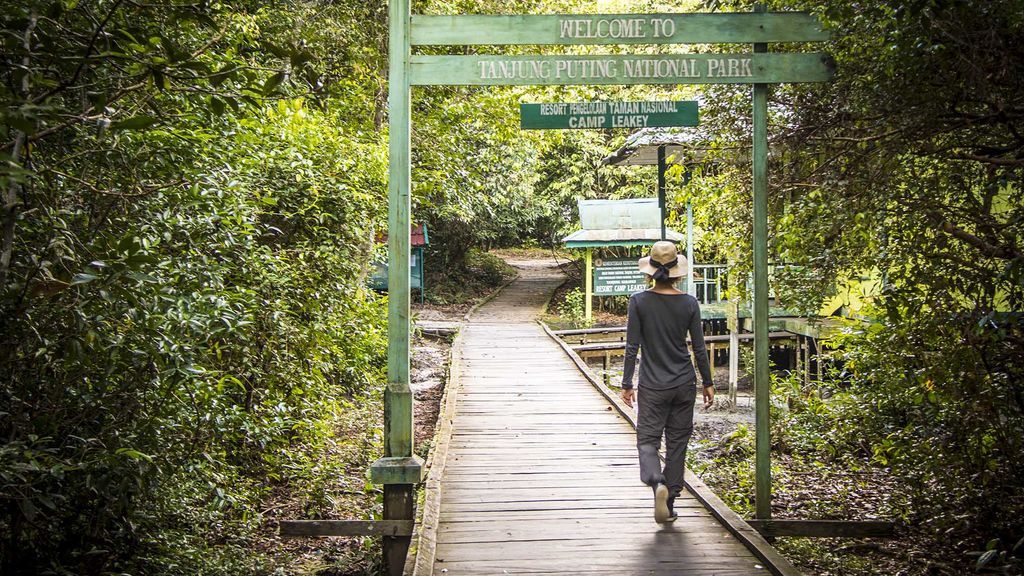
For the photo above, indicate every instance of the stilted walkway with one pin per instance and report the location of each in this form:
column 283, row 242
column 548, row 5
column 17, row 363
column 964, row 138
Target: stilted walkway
column 541, row 474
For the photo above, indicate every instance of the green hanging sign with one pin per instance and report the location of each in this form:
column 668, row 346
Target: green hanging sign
column 601, row 115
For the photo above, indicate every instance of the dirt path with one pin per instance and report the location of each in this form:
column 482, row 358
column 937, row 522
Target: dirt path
column 524, row 299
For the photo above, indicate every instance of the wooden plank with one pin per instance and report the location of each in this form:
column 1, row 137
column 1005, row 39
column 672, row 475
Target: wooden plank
column 688, row 518
column 711, row 339
column 324, row 528
column 625, row 550
column 586, row 565
column 588, row 331
column 561, row 29
column 673, row 570
column 824, row 528
column 563, row 70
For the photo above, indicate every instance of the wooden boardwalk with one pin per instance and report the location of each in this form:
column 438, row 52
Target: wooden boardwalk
column 541, row 475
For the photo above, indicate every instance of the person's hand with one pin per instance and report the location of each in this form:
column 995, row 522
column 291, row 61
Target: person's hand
column 629, row 396
column 709, row 396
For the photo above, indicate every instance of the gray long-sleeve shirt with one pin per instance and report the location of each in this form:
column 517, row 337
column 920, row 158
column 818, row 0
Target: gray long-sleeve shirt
column 659, row 324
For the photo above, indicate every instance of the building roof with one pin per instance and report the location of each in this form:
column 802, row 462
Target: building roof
column 641, row 148
column 418, row 236
column 620, row 237
column 633, row 222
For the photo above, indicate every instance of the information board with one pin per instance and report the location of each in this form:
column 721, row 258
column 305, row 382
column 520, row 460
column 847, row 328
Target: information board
column 379, row 278
column 601, row 115
column 618, row 277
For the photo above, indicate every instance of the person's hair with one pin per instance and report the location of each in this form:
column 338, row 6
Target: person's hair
column 670, row 283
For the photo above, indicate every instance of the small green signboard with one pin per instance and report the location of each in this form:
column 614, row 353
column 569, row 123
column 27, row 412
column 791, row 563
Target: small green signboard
column 379, row 279
column 601, row 115
column 617, row 277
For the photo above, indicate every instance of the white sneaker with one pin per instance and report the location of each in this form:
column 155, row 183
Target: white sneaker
column 661, row 513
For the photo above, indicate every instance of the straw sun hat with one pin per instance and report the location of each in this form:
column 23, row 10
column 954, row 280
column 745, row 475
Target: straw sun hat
column 664, row 257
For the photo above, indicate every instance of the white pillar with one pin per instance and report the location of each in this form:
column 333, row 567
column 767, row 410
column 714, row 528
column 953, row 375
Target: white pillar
column 689, row 250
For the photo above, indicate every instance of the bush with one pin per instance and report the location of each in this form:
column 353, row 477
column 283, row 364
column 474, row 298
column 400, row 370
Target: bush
column 573, row 309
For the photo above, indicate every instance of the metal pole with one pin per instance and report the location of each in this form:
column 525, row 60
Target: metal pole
column 661, row 188
column 689, row 253
column 763, row 481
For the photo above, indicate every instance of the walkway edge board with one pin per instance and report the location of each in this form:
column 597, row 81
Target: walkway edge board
column 737, row 526
column 421, row 560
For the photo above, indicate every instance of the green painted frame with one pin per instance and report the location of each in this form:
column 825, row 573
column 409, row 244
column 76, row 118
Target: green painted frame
column 400, row 469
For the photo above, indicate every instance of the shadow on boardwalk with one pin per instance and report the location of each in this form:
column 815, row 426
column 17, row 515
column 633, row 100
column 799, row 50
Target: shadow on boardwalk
column 540, row 475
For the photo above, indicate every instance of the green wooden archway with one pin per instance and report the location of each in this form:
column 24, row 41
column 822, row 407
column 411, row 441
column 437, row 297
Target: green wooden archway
column 399, row 470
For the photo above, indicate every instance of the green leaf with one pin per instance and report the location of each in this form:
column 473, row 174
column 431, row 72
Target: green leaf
column 272, row 83
column 300, row 58
column 26, row 125
column 986, row 558
column 133, row 454
column 217, row 105
column 221, row 75
column 146, row 278
column 83, row 278
column 160, row 80
column 140, row 122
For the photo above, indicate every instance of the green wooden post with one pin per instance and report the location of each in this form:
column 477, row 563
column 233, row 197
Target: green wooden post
column 662, row 202
column 588, row 283
column 399, row 470
column 763, row 479
column 398, row 435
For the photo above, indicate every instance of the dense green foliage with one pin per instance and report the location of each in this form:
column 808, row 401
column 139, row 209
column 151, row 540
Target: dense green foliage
column 183, row 316
column 910, row 165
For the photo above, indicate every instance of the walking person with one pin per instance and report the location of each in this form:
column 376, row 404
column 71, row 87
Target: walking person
column 659, row 320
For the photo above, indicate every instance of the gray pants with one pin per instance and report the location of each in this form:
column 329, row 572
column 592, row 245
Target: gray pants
column 668, row 412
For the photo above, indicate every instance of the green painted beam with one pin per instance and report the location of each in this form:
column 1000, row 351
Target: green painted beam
column 578, row 29
column 762, row 383
column 398, row 415
column 398, row 420
column 397, row 471
column 479, row 70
